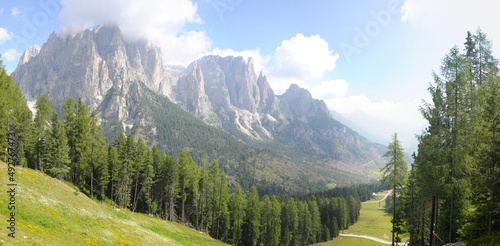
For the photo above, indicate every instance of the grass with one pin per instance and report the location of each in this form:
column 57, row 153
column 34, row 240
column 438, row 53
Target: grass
column 347, row 241
column 373, row 221
column 50, row 212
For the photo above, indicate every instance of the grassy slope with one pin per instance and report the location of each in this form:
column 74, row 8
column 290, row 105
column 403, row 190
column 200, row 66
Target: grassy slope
column 373, row 221
column 49, row 212
column 348, row 241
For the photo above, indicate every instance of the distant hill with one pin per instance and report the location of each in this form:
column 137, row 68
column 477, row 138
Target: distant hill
column 53, row 212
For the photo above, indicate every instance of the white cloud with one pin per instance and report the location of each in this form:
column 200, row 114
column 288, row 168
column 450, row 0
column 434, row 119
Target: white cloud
column 1, row 12
column 14, row 12
column 303, row 57
column 11, row 55
column 451, row 19
column 259, row 60
column 334, row 93
column 4, row 35
column 407, row 11
column 405, row 111
column 160, row 21
column 330, row 89
column 280, row 85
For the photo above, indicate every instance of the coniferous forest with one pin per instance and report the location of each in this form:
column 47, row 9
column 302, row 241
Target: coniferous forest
column 455, row 175
column 127, row 174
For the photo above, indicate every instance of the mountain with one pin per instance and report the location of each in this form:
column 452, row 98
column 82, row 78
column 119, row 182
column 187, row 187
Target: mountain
column 215, row 108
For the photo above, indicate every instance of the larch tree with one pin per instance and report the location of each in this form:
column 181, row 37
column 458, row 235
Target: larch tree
column 394, row 173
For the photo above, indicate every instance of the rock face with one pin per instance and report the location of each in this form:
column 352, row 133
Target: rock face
column 95, row 65
column 108, row 73
column 225, row 92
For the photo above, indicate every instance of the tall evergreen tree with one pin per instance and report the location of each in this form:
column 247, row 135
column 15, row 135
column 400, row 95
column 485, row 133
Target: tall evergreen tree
column 44, row 114
column 138, row 168
column 59, row 160
column 187, row 175
column 114, row 167
column 252, row 219
column 237, row 208
column 395, row 172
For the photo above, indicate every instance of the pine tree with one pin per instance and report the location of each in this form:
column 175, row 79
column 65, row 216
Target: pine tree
column 95, row 151
column 148, row 177
column 237, row 208
column 138, row 167
column 59, row 160
column 289, row 222
column 103, row 170
column 252, row 219
column 171, row 175
column 81, row 134
column 395, row 172
column 315, row 221
column 44, row 114
column 214, row 174
column 114, row 167
column 187, row 176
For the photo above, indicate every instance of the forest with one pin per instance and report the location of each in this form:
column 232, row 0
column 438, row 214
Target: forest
column 455, row 175
column 70, row 146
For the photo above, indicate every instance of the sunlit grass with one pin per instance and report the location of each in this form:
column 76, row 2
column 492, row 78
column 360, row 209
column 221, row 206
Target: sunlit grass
column 373, row 221
column 49, row 212
column 347, row 241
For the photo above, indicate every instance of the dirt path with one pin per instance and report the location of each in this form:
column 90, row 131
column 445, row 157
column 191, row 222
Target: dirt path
column 386, row 195
column 370, row 238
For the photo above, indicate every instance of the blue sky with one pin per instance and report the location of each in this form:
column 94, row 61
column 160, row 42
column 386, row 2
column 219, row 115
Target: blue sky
column 369, row 60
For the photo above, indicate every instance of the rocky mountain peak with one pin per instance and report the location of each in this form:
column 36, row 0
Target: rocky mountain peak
column 94, row 65
column 29, row 53
column 300, row 103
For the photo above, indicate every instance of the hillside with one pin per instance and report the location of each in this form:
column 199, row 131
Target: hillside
column 52, row 212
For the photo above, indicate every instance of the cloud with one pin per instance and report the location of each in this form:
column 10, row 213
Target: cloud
column 160, row 21
column 407, row 11
column 334, row 93
column 330, row 89
column 280, row 85
column 11, row 55
column 259, row 60
column 1, row 12
column 4, row 35
column 303, row 57
column 450, row 24
column 14, row 12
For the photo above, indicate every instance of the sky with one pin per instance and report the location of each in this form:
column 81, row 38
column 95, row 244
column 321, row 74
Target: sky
column 371, row 61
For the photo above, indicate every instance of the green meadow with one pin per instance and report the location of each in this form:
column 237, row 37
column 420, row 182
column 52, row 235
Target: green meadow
column 53, row 212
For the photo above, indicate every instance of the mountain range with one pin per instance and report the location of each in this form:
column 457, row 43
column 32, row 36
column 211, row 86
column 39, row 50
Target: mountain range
column 216, row 108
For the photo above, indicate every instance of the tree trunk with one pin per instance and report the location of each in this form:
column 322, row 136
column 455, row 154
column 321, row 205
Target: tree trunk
column 182, row 205
column 149, row 200
column 213, row 205
column 91, row 181
column 450, row 237
column 171, row 203
column 135, row 192
column 167, row 214
column 220, row 203
column 393, row 211
column 423, row 225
